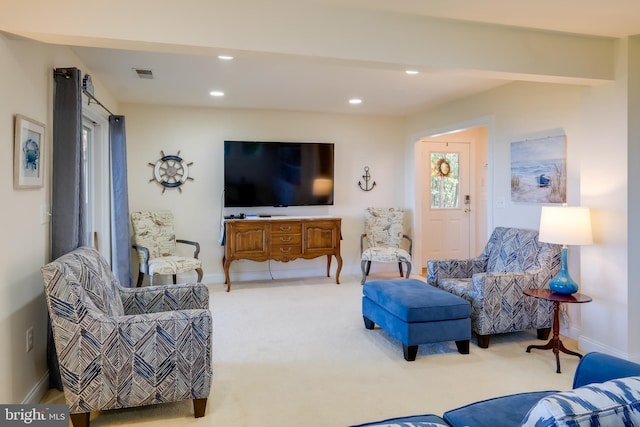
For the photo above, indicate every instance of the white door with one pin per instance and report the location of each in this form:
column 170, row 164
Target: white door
column 446, row 219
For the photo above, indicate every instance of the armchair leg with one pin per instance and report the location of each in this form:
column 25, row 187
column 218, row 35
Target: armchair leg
column 140, row 279
column 80, row 420
column 408, row 270
column 483, row 341
column 400, row 269
column 363, row 266
column 199, row 406
column 199, row 271
column 175, row 279
column 368, row 267
column 543, row 333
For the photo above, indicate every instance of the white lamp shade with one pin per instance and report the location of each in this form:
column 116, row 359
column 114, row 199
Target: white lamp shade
column 565, row 225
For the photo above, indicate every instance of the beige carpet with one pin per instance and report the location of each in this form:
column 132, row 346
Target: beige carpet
column 296, row 353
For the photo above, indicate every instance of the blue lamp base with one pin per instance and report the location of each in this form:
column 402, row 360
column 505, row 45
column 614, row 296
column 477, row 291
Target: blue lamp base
column 562, row 283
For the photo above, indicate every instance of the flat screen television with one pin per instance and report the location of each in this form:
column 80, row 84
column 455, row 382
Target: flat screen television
column 260, row 173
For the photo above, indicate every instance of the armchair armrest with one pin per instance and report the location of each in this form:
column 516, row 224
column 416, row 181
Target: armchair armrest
column 189, row 242
column 155, row 299
column 145, row 257
column 454, row 268
column 404, row 236
column 597, row 367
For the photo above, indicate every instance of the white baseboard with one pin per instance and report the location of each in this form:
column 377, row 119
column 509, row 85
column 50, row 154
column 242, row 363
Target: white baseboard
column 38, row 391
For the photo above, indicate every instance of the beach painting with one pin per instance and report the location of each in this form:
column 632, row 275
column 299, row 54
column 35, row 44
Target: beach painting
column 539, row 170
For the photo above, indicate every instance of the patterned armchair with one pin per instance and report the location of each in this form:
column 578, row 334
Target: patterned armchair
column 513, row 260
column 120, row 347
column 383, row 239
column 155, row 242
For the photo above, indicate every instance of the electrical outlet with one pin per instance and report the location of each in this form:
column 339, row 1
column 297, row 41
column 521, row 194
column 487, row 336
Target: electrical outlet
column 29, row 339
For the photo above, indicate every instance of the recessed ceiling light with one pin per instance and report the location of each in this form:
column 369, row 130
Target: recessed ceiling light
column 355, row 101
column 411, row 71
column 225, row 57
column 216, row 93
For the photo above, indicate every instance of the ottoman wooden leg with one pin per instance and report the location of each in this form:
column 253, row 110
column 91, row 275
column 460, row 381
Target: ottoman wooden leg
column 368, row 323
column 410, row 352
column 463, row 346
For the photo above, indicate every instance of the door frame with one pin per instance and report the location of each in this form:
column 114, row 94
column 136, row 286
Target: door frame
column 479, row 234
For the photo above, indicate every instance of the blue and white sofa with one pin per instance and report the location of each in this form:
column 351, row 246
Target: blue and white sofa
column 606, row 393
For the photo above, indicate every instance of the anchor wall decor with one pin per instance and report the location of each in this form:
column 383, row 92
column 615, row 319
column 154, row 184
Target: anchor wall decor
column 367, row 178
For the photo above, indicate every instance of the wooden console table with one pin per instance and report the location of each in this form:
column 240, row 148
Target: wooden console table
column 281, row 239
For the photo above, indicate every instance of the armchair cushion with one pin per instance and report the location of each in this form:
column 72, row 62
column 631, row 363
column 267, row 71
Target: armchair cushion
column 172, row 265
column 385, row 254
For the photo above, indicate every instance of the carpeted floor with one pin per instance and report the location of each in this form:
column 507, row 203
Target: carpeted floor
column 289, row 353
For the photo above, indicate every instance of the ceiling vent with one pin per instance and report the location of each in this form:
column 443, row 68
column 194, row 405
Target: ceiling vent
column 144, row 74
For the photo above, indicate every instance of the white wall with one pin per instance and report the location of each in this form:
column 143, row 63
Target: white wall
column 199, row 133
column 26, row 84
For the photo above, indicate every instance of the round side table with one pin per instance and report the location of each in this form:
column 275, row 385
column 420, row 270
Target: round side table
column 555, row 343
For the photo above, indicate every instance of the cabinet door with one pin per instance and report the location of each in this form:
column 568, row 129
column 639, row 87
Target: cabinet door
column 321, row 237
column 247, row 240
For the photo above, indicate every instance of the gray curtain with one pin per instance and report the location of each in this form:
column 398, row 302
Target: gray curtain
column 121, row 242
column 67, row 208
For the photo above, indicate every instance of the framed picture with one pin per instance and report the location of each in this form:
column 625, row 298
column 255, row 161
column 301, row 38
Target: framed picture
column 539, row 170
column 28, row 146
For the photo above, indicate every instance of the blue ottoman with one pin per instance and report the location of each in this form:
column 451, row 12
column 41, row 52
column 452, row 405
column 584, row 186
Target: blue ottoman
column 415, row 313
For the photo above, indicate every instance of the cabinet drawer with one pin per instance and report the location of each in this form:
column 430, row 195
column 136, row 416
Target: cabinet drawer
column 278, row 251
column 286, row 227
column 286, row 239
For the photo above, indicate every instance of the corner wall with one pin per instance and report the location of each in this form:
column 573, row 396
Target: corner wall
column 26, row 84
column 594, row 121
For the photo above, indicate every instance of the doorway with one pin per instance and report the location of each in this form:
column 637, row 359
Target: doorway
column 452, row 193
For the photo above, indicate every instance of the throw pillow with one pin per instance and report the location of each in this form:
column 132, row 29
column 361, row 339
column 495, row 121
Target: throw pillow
column 409, row 424
column 611, row 403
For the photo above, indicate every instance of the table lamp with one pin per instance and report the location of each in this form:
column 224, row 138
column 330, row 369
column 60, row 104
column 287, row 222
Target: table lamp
column 565, row 226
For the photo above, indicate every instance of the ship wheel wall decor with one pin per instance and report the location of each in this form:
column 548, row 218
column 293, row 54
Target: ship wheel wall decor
column 170, row 171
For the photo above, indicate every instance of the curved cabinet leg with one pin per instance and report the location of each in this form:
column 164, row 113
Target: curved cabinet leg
column 227, row 280
column 339, row 269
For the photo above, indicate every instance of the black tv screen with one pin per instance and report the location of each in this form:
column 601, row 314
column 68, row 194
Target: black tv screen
column 277, row 173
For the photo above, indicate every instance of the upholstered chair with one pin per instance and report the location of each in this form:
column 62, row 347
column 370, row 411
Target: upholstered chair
column 155, row 240
column 384, row 240
column 513, row 260
column 121, row 347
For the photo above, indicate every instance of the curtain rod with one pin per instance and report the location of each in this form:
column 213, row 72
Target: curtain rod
column 66, row 74
column 95, row 100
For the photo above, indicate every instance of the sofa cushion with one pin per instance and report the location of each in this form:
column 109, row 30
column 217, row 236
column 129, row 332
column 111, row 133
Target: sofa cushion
column 428, row 420
column 611, row 403
column 500, row 411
